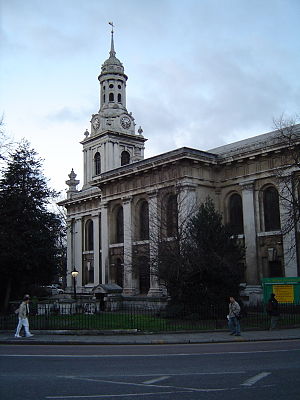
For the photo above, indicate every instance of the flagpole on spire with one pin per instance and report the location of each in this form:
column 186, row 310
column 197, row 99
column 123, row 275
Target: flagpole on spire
column 112, row 47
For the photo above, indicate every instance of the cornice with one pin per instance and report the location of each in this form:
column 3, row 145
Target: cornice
column 160, row 161
column 118, row 135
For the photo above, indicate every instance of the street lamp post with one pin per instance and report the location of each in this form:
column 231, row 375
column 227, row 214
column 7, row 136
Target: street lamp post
column 74, row 274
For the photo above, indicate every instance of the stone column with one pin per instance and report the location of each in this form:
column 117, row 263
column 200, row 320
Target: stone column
column 128, row 289
column 96, row 249
column 186, row 203
column 288, row 227
column 77, row 234
column 250, row 232
column 155, row 290
column 70, row 250
column 104, row 245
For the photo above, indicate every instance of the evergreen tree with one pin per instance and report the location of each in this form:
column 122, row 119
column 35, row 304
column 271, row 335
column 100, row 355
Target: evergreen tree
column 29, row 231
column 205, row 267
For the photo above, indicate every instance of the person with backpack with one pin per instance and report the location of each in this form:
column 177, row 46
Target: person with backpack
column 23, row 313
column 273, row 311
column 233, row 317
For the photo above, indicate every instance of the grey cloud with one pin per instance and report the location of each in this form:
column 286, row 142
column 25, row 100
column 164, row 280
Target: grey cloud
column 212, row 99
column 66, row 114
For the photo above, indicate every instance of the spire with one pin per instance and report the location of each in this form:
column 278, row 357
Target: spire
column 112, row 52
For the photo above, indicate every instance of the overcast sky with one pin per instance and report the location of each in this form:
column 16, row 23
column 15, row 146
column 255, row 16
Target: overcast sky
column 201, row 73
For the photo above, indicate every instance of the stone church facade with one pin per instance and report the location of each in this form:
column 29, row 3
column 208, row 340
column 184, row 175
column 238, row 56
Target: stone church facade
column 126, row 200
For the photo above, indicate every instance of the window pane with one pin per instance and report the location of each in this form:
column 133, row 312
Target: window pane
column 97, row 161
column 144, row 221
column 120, row 226
column 171, row 216
column 236, row 214
column 125, row 158
column 271, row 209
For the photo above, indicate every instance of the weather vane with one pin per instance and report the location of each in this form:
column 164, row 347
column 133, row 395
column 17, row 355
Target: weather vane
column 112, row 26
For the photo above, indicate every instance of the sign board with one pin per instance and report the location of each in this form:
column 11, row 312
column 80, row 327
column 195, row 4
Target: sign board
column 284, row 293
column 286, row 289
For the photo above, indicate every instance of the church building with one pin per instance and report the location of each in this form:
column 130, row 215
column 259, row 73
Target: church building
column 124, row 198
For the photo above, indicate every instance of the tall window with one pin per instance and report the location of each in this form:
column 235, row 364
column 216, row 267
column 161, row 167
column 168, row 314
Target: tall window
column 111, row 97
column 119, row 226
column 119, row 97
column 144, row 274
column 119, row 272
column 271, row 209
column 236, row 214
column 97, row 162
column 89, row 235
column 125, row 158
column 144, row 221
column 172, row 215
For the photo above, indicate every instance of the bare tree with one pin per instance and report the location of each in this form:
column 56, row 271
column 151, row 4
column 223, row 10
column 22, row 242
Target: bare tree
column 288, row 177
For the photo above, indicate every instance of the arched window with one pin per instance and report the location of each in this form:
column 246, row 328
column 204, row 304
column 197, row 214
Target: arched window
column 119, row 226
column 119, row 98
column 172, row 216
column 97, row 162
column 271, row 209
column 111, row 97
column 144, row 221
column 125, row 158
column 89, row 235
column 236, row 214
column 104, row 98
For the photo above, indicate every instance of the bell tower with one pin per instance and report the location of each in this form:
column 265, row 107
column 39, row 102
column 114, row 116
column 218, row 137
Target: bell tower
column 112, row 141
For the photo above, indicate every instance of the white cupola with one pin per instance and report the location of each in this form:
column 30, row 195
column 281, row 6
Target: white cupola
column 112, row 141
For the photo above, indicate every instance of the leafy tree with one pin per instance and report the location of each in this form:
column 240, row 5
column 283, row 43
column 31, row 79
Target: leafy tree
column 205, row 266
column 29, row 231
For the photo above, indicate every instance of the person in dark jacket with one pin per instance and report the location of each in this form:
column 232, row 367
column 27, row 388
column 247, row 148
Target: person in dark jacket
column 273, row 311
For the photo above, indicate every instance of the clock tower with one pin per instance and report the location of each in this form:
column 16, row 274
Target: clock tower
column 112, row 141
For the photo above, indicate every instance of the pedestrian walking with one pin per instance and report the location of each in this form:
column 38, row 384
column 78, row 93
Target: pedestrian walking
column 23, row 313
column 233, row 317
column 273, row 311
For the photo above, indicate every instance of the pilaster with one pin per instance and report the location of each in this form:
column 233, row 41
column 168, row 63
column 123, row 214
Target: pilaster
column 250, row 232
column 129, row 289
column 155, row 290
column 97, row 266
column 77, row 234
column 186, row 203
column 104, row 245
column 70, row 250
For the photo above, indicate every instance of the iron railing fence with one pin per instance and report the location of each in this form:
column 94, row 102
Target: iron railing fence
column 89, row 316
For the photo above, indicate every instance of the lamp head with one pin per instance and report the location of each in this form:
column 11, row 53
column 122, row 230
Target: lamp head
column 74, row 273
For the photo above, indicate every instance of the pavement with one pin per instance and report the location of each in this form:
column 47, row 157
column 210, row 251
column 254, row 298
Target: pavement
column 132, row 337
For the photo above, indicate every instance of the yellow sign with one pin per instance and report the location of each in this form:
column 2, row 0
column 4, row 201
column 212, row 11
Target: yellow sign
column 284, row 293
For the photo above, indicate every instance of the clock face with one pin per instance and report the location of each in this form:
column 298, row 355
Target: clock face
column 96, row 123
column 125, row 122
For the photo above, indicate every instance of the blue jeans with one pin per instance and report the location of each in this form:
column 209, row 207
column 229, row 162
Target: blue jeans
column 234, row 325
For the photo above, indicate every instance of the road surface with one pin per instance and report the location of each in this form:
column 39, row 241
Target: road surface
column 248, row 371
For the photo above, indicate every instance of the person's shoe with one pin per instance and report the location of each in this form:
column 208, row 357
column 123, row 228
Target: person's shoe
column 232, row 333
column 18, row 336
column 237, row 334
column 30, row 335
